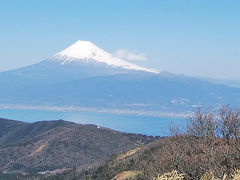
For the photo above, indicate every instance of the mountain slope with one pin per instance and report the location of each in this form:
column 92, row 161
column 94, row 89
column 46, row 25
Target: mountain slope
column 9, row 126
column 51, row 145
column 85, row 76
column 25, row 131
column 124, row 92
column 189, row 156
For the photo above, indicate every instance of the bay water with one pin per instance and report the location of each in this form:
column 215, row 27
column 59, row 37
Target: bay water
column 147, row 125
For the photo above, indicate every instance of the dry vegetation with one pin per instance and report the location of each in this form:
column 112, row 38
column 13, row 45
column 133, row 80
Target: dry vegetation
column 209, row 148
column 125, row 175
column 174, row 175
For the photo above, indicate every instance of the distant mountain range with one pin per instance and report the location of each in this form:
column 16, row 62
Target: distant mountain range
column 86, row 76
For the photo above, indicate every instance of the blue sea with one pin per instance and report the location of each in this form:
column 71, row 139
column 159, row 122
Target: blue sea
column 148, row 125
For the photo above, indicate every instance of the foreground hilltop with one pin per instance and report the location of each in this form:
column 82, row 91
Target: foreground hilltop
column 207, row 148
column 182, row 157
column 55, row 146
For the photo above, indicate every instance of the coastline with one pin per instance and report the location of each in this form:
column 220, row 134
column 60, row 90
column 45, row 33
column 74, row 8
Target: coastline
column 98, row 110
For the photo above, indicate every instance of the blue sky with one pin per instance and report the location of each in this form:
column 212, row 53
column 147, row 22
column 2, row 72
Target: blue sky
column 191, row 37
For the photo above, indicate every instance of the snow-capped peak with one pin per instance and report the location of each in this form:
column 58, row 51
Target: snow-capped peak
column 85, row 50
column 81, row 50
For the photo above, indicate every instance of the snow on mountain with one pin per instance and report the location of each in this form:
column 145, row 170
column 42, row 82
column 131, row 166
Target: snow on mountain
column 85, row 51
column 85, row 76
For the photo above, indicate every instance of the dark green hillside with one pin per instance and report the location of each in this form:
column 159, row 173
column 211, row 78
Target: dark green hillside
column 9, row 126
column 21, row 132
column 59, row 146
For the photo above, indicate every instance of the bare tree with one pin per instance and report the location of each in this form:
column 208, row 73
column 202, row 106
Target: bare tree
column 202, row 124
column 229, row 123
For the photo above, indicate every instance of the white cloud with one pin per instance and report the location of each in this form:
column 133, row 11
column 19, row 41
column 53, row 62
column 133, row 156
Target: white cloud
column 130, row 55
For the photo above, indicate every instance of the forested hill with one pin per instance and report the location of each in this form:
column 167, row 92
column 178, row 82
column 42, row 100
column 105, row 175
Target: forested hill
column 55, row 146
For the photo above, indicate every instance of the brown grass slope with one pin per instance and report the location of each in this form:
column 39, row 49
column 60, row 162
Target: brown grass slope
column 191, row 156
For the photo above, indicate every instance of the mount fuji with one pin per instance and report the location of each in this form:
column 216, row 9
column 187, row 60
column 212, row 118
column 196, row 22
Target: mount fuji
column 87, row 52
column 84, row 76
column 80, row 60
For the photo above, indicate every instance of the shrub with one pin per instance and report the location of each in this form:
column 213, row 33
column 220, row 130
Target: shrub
column 236, row 175
column 174, row 175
